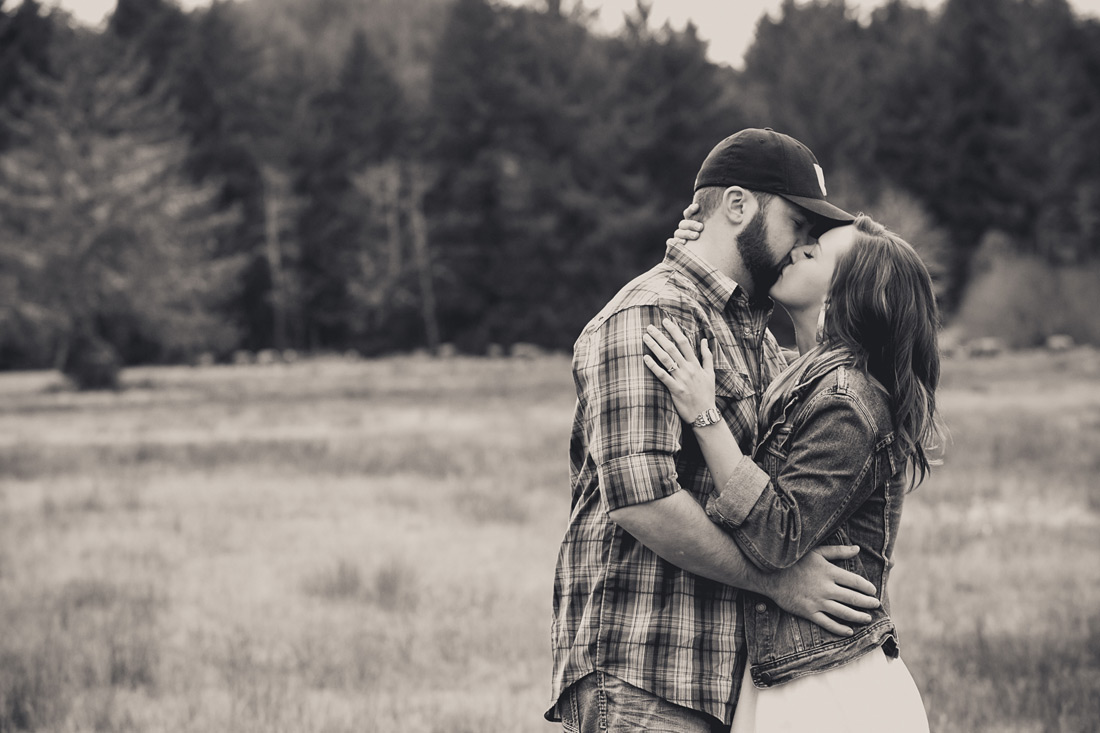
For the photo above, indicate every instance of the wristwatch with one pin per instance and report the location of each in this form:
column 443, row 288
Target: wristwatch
column 707, row 417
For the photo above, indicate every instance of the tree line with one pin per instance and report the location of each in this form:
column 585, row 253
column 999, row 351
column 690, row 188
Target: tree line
column 386, row 175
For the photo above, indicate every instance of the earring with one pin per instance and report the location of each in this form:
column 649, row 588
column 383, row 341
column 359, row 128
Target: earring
column 821, row 322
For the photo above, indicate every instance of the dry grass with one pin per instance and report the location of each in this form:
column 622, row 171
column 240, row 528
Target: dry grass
column 337, row 546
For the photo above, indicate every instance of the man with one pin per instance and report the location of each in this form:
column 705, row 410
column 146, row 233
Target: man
column 646, row 631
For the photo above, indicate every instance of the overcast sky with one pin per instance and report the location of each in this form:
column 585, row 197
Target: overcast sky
column 727, row 24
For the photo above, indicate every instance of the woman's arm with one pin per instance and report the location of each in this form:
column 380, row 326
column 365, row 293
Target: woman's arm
column 828, row 473
column 777, row 523
column 692, row 390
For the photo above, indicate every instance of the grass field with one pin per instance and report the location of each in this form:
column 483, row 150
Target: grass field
column 339, row 546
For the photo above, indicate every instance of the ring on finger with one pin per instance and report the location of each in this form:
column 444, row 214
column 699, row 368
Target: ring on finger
column 672, row 367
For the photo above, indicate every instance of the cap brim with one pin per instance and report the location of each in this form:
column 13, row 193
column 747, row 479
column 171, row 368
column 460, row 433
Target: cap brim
column 835, row 216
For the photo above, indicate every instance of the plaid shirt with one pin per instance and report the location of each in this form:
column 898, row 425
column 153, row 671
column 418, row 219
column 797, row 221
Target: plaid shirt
column 618, row 607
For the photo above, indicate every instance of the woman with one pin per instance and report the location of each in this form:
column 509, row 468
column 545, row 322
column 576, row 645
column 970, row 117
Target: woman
column 844, row 436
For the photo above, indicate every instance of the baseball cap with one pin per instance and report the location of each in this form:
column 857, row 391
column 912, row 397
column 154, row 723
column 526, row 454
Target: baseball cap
column 771, row 162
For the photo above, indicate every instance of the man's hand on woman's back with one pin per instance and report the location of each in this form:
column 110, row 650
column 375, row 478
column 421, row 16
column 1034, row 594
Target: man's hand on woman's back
column 819, row 591
column 677, row 529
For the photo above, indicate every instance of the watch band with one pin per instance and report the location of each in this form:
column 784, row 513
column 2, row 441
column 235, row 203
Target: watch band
column 707, row 417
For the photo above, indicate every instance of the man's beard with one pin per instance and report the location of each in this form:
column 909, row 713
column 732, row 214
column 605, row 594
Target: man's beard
column 758, row 260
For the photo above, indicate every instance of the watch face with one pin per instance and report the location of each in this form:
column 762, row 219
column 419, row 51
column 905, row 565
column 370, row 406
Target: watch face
column 709, row 417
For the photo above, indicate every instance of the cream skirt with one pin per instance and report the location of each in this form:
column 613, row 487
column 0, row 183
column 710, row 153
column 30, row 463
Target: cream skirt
column 872, row 693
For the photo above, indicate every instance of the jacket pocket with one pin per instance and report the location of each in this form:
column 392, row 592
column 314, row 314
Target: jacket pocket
column 777, row 444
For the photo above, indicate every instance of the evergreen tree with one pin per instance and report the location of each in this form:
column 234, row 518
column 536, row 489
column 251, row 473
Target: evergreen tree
column 897, row 53
column 540, row 274
column 157, row 30
column 949, row 128
column 26, row 35
column 466, row 100
column 359, row 124
column 674, row 106
column 1057, row 143
column 110, row 244
column 809, row 69
column 223, row 111
column 563, row 159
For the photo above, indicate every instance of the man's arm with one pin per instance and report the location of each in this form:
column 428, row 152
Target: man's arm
column 635, row 433
column 678, row 530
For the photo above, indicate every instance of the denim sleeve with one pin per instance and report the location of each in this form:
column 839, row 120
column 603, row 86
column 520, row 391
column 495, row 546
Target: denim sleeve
column 731, row 503
column 822, row 482
column 635, row 430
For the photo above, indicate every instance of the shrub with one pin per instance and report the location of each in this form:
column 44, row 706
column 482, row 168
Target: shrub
column 92, row 363
column 395, row 587
column 1023, row 299
column 342, row 582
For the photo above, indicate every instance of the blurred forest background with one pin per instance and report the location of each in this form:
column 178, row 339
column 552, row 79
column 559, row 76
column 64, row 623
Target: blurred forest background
column 391, row 175
column 350, row 544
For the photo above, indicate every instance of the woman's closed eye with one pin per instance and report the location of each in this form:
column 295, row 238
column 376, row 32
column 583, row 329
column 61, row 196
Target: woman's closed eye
column 806, row 251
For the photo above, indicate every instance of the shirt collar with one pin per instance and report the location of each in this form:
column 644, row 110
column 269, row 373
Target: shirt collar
column 717, row 287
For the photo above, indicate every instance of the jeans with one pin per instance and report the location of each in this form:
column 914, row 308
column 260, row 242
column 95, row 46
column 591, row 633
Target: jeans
column 601, row 703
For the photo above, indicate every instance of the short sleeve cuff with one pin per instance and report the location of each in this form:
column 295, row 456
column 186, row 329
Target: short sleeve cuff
column 731, row 503
column 636, row 479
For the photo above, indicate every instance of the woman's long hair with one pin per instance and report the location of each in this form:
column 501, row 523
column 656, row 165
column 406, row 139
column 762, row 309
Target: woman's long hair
column 881, row 318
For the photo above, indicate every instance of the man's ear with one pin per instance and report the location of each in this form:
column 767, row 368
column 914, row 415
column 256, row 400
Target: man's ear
column 738, row 205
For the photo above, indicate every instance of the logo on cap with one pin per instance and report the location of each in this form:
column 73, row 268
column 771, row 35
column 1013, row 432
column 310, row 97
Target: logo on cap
column 821, row 179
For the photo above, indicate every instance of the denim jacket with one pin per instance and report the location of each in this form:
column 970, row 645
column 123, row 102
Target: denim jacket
column 827, row 471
